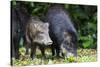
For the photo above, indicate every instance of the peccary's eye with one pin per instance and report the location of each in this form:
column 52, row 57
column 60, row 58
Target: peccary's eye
column 41, row 32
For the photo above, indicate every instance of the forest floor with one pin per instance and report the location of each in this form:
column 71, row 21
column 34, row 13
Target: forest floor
column 84, row 55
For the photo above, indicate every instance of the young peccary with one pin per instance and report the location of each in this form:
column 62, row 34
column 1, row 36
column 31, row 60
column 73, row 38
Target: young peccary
column 62, row 31
column 37, row 34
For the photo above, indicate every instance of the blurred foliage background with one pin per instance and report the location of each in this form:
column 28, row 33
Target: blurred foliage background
column 84, row 18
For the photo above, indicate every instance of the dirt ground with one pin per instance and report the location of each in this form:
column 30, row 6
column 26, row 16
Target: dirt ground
column 84, row 55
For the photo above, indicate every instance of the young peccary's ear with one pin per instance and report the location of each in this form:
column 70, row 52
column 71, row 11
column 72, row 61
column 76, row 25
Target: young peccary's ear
column 35, row 25
column 46, row 24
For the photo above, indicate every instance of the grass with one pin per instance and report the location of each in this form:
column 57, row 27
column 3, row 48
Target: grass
column 84, row 55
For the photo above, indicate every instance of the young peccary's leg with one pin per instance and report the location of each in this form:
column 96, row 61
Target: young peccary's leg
column 42, row 48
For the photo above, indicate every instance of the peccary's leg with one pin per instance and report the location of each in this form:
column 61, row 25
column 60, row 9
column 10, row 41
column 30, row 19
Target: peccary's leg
column 16, row 46
column 53, row 50
column 58, row 50
column 12, row 50
column 42, row 48
column 27, row 42
column 33, row 50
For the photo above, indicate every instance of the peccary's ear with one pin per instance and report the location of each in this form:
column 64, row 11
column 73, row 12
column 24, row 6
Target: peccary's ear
column 46, row 24
column 35, row 25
